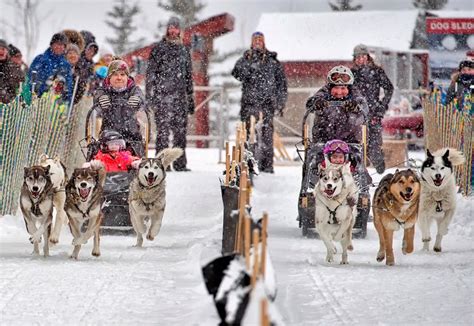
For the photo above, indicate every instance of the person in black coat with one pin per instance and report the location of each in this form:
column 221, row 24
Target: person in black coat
column 169, row 90
column 118, row 102
column 11, row 75
column 370, row 79
column 264, row 89
column 340, row 109
column 462, row 82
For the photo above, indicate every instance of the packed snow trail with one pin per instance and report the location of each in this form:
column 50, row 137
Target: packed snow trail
column 162, row 284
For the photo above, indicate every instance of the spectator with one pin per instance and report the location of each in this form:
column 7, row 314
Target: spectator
column 17, row 57
column 73, row 54
column 169, row 90
column 369, row 78
column 10, row 75
column 462, row 82
column 52, row 63
column 264, row 89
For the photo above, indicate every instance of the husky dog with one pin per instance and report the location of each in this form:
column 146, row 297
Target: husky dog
column 395, row 206
column 57, row 172
column 438, row 193
column 147, row 197
column 36, row 203
column 336, row 196
column 84, row 197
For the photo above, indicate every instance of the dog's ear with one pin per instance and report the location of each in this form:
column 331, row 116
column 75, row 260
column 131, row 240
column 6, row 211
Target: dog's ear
column 321, row 167
column 327, row 162
column 46, row 169
column 43, row 158
column 25, row 171
column 428, row 153
column 346, row 168
column 57, row 159
column 446, row 155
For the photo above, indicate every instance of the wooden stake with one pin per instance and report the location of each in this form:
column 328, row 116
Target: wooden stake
column 252, row 130
column 233, row 153
column 364, row 141
column 227, row 170
column 244, row 132
column 305, row 136
column 264, row 243
column 264, row 313
column 232, row 170
column 255, row 266
column 247, row 241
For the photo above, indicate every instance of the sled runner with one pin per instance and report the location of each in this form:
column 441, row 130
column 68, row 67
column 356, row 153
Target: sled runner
column 313, row 155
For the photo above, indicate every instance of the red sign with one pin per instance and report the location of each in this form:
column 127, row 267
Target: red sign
column 450, row 25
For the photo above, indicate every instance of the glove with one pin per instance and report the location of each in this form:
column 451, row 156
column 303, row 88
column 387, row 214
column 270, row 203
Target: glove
column 104, row 102
column 133, row 101
column 351, row 201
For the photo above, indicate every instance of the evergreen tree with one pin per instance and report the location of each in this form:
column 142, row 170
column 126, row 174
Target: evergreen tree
column 430, row 4
column 187, row 10
column 344, row 5
column 123, row 14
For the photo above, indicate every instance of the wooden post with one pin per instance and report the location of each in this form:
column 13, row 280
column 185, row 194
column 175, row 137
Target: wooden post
column 227, row 165
column 255, row 266
column 264, row 243
column 242, row 210
column 233, row 153
column 247, row 241
column 244, row 132
column 264, row 321
column 305, row 136
column 252, row 130
column 364, row 141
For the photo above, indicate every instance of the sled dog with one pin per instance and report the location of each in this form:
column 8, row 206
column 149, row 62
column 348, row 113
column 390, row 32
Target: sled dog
column 395, row 205
column 84, row 197
column 336, row 196
column 438, row 193
column 147, row 196
column 57, row 172
column 36, row 204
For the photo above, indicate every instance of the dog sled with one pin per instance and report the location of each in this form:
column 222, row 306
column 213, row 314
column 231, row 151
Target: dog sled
column 312, row 156
column 116, row 188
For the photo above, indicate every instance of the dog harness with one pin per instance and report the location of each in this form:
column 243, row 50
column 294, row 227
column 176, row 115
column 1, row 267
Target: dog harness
column 35, row 209
column 86, row 214
column 439, row 206
column 332, row 214
column 151, row 204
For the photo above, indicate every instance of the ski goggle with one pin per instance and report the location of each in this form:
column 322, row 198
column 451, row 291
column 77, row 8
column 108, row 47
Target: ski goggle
column 116, row 144
column 339, row 78
column 339, row 146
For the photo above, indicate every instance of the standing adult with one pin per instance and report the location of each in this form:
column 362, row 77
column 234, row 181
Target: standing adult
column 86, row 61
column 169, row 90
column 462, row 82
column 10, row 75
column 73, row 54
column 370, row 79
column 17, row 57
column 50, row 65
column 264, row 89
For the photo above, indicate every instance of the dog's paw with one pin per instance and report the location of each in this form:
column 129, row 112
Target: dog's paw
column 390, row 263
column 350, row 247
column 329, row 258
column 73, row 257
column 35, row 238
column 380, row 256
column 54, row 239
column 437, row 249
column 344, row 262
column 96, row 253
column 150, row 237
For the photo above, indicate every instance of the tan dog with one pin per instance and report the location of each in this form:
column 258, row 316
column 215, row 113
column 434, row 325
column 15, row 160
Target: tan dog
column 84, row 197
column 395, row 205
column 147, row 197
column 57, row 172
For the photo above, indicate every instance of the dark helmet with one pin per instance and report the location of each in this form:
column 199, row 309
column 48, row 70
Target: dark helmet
column 110, row 136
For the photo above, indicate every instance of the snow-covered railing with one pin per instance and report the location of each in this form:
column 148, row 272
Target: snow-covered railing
column 451, row 126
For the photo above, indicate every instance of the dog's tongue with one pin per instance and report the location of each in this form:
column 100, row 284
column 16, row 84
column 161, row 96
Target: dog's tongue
column 329, row 192
column 84, row 192
column 35, row 193
column 438, row 182
column 150, row 180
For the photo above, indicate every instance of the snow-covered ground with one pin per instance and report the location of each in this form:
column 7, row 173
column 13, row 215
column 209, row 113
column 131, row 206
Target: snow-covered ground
column 161, row 284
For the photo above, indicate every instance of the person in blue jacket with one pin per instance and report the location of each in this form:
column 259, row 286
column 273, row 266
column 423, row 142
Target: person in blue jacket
column 51, row 64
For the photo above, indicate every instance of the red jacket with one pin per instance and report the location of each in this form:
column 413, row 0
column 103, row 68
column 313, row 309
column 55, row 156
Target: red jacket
column 121, row 162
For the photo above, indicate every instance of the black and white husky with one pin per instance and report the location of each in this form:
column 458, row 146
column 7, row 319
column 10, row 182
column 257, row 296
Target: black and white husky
column 36, row 203
column 336, row 196
column 438, row 193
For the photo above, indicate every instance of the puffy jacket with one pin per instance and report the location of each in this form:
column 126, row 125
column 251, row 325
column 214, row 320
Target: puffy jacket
column 120, row 116
column 460, row 85
column 263, row 79
column 10, row 78
column 369, row 79
column 122, row 161
column 337, row 119
column 47, row 65
column 169, row 73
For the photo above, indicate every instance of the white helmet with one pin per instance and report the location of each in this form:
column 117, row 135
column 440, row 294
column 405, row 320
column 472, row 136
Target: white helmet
column 340, row 75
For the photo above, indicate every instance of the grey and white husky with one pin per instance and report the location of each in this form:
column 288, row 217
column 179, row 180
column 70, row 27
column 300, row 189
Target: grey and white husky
column 147, row 196
column 36, row 204
column 438, row 193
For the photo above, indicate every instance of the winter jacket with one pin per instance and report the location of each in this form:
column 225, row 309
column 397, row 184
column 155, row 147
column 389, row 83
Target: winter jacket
column 122, row 161
column 169, row 74
column 263, row 80
column 337, row 119
column 460, row 86
column 10, row 78
column 369, row 79
column 120, row 116
column 48, row 65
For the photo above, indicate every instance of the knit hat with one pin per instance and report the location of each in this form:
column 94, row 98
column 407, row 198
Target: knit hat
column 174, row 22
column 73, row 47
column 466, row 63
column 118, row 65
column 360, row 49
column 75, row 37
column 59, row 38
column 258, row 35
column 13, row 50
column 3, row 44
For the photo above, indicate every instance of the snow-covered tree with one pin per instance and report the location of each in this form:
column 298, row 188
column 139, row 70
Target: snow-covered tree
column 187, row 10
column 122, row 15
column 430, row 4
column 344, row 5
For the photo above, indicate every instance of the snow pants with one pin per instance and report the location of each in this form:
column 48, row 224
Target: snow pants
column 374, row 146
column 171, row 118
